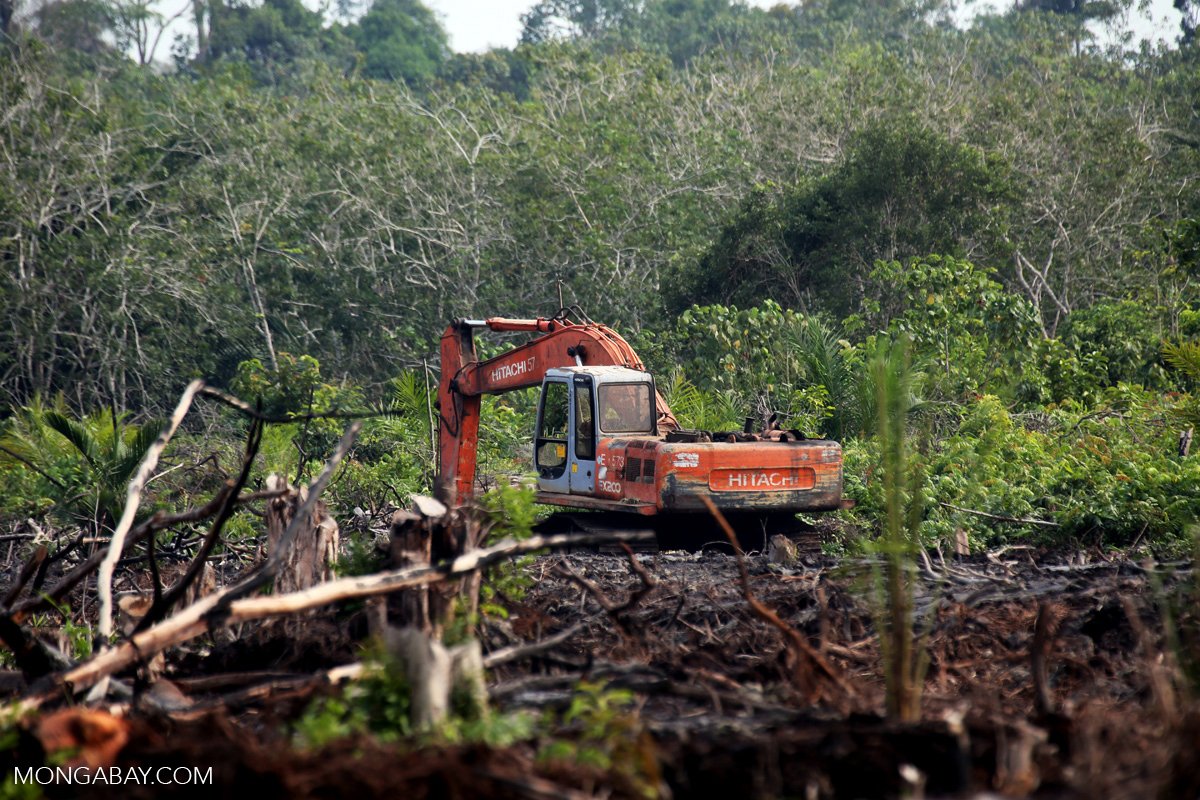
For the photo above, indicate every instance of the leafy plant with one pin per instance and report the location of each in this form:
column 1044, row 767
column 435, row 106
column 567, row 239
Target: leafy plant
column 601, row 730
column 376, row 704
column 85, row 462
column 902, row 477
column 716, row 410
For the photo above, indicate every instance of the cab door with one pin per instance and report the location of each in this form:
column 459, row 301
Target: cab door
column 582, row 473
column 550, row 445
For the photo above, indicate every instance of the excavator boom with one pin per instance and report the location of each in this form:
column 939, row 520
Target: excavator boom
column 465, row 380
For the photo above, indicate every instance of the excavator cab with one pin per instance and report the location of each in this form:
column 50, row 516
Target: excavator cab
column 578, row 406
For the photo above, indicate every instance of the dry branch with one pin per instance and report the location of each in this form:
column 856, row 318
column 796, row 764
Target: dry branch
column 615, row 610
column 133, row 498
column 1001, row 518
column 194, row 620
column 520, row 651
column 31, row 566
column 223, row 510
column 156, row 523
column 808, row 664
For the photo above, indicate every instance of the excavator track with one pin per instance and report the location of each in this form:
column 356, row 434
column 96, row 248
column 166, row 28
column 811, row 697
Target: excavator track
column 691, row 532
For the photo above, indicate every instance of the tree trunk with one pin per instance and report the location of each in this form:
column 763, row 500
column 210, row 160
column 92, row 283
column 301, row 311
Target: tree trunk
column 6, row 15
column 315, row 547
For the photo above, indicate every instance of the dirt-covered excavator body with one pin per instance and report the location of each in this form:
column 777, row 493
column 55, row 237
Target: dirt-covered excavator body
column 597, row 446
column 605, row 439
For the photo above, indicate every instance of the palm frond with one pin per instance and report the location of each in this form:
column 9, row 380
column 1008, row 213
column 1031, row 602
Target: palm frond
column 1183, row 356
column 408, row 393
column 133, row 449
column 77, row 433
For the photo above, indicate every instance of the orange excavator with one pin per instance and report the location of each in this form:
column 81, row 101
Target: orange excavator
column 605, row 440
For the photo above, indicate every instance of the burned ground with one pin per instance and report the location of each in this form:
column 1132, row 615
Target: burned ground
column 717, row 704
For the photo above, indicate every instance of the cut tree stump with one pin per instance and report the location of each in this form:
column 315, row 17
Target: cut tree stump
column 314, row 549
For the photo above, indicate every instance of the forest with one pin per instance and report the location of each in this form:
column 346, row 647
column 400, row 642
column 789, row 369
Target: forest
column 968, row 250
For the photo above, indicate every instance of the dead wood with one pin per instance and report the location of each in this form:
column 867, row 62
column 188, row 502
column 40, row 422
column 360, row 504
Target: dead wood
column 1158, row 670
column 517, row 652
column 27, row 571
column 133, row 499
column 314, row 542
column 34, row 658
column 411, row 535
column 810, row 670
column 219, row 609
column 1045, row 629
column 618, row 611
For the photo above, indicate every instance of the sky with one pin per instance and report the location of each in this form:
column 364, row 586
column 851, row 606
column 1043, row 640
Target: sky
column 477, row 25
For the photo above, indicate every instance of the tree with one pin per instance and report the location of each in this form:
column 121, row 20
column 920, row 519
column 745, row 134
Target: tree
column 1189, row 18
column 901, row 191
column 137, row 25
column 7, row 11
column 401, row 40
column 77, row 25
column 277, row 30
column 576, row 19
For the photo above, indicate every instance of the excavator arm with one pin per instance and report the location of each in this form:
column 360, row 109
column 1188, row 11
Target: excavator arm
column 465, row 379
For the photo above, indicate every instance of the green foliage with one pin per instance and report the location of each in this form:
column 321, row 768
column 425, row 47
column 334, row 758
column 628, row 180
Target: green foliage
column 511, row 513
column 294, row 387
column 902, row 479
column 1124, row 337
column 276, row 194
column 603, row 731
column 376, row 704
column 714, row 410
column 285, row 389
column 1108, row 474
column 81, row 465
column 902, row 191
column 359, row 557
column 836, row 366
column 971, row 334
column 395, row 455
column 494, row 730
column 731, row 363
column 400, row 40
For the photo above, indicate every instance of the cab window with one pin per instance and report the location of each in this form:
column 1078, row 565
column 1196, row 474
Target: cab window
column 585, row 428
column 551, row 451
column 626, row 408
